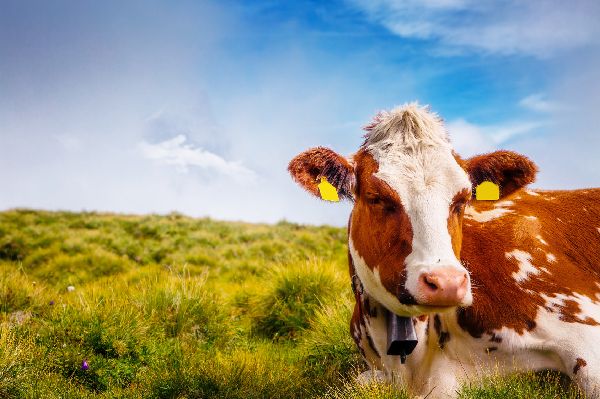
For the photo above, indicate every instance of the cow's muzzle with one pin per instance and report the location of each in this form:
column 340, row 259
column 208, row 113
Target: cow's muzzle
column 443, row 286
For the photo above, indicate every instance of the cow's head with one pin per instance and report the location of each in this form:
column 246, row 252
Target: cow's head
column 409, row 191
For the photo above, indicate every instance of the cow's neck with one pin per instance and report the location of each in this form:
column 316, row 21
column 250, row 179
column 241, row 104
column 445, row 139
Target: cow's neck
column 434, row 331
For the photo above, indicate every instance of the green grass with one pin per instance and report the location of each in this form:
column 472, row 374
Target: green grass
column 175, row 307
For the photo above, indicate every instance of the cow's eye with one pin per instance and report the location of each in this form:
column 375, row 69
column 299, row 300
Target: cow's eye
column 382, row 203
column 389, row 207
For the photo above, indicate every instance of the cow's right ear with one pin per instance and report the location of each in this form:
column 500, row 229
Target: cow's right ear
column 507, row 169
column 308, row 167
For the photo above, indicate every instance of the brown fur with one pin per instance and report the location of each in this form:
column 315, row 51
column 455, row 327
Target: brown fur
column 380, row 229
column 455, row 219
column 579, row 363
column 308, row 167
column 498, row 300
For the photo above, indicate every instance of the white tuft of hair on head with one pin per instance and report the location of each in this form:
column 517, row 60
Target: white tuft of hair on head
column 410, row 126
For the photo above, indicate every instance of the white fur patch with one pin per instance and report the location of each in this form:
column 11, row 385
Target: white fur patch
column 503, row 204
column 540, row 239
column 485, row 216
column 587, row 306
column 526, row 268
column 531, row 192
column 409, row 126
column 550, row 258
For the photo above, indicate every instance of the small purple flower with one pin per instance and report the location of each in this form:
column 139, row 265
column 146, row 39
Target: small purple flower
column 85, row 365
column 51, row 303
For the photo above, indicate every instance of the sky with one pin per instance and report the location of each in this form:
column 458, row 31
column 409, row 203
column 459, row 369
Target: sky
column 197, row 106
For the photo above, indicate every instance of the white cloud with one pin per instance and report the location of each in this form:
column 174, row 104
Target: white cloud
column 69, row 142
column 538, row 103
column 176, row 152
column 514, row 27
column 502, row 133
column 471, row 139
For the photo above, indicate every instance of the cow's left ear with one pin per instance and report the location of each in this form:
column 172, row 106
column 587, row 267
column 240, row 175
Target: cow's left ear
column 507, row 169
column 308, row 167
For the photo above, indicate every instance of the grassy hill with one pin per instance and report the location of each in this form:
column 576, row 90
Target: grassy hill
column 115, row 306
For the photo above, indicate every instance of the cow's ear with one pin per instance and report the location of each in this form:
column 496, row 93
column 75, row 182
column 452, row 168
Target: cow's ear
column 309, row 167
column 507, row 169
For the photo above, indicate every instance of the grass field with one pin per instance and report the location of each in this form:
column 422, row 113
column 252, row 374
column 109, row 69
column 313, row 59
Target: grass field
column 175, row 307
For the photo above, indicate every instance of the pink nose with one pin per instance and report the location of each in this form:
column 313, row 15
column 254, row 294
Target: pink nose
column 444, row 286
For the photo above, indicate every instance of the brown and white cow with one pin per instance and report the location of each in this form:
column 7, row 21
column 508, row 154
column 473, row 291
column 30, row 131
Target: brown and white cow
column 491, row 286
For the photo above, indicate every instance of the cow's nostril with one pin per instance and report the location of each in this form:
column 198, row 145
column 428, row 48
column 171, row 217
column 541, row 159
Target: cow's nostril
column 429, row 281
column 464, row 281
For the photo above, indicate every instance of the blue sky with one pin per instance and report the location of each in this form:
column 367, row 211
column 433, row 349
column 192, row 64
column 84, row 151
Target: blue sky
column 197, row 107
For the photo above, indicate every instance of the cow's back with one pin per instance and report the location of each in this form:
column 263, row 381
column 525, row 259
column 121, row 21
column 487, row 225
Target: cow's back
column 528, row 251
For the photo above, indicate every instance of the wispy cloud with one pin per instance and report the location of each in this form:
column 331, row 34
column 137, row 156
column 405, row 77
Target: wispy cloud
column 538, row 103
column 183, row 156
column 69, row 142
column 537, row 28
column 503, row 133
column 471, row 139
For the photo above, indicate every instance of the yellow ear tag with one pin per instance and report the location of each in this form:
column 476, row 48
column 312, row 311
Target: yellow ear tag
column 487, row 191
column 328, row 192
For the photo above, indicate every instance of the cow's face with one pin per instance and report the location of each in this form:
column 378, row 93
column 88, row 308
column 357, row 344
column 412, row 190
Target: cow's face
column 409, row 194
column 406, row 230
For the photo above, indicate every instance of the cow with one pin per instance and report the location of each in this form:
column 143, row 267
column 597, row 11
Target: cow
column 491, row 287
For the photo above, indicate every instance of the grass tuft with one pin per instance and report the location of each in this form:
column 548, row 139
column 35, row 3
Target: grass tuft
column 372, row 390
column 541, row 385
column 16, row 361
column 292, row 295
column 330, row 352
